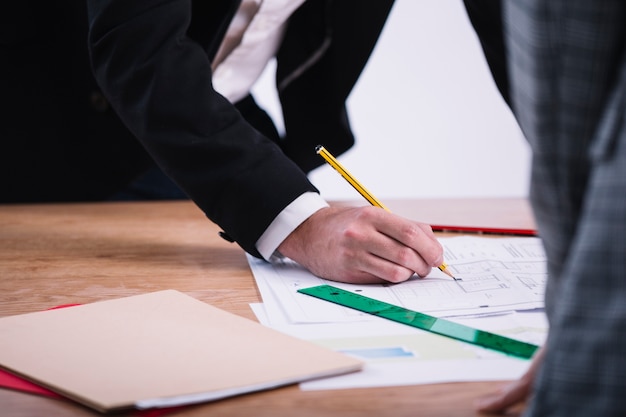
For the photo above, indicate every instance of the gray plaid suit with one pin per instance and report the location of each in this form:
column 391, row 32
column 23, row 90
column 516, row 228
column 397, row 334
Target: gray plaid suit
column 567, row 62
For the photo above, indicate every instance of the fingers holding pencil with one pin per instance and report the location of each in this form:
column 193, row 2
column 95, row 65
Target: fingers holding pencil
column 362, row 245
column 332, row 161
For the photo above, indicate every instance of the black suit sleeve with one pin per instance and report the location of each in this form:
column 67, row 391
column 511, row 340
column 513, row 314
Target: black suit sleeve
column 158, row 79
column 486, row 18
column 326, row 47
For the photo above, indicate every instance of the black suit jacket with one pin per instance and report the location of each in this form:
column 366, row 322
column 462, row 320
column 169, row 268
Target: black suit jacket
column 152, row 60
column 63, row 141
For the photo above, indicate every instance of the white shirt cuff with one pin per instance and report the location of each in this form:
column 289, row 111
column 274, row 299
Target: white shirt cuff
column 287, row 221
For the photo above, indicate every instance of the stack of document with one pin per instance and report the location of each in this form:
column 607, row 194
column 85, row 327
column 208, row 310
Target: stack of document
column 155, row 350
column 501, row 291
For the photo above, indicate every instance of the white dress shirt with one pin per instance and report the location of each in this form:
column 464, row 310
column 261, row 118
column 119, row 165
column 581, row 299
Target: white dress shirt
column 251, row 42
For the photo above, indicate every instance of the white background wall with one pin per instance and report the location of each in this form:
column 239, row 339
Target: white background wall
column 426, row 113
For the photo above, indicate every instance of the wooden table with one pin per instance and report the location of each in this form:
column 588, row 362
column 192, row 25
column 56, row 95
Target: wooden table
column 55, row 254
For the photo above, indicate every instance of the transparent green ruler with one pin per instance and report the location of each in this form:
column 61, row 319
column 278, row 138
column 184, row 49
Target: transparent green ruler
column 422, row 321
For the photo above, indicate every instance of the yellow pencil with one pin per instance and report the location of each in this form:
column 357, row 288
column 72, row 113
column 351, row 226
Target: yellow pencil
column 362, row 190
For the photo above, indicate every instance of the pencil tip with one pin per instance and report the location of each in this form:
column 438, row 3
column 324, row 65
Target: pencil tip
column 444, row 268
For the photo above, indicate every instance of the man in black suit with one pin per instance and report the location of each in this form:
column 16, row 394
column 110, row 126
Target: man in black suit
column 153, row 65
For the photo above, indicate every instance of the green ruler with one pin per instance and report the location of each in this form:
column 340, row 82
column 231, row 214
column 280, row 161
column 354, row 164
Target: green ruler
column 421, row 321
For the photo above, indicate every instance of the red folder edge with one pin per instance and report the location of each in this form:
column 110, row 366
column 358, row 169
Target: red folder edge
column 485, row 230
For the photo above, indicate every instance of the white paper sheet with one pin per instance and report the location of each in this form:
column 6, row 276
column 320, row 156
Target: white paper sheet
column 505, row 274
column 396, row 354
column 498, row 275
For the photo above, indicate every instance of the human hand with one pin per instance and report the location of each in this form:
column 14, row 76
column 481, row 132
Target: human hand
column 363, row 245
column 513, row 393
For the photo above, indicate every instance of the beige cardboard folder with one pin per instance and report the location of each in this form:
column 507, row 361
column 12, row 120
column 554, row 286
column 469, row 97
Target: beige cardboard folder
column 157, row 350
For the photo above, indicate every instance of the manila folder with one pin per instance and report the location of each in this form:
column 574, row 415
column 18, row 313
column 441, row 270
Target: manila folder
column 159, row 349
